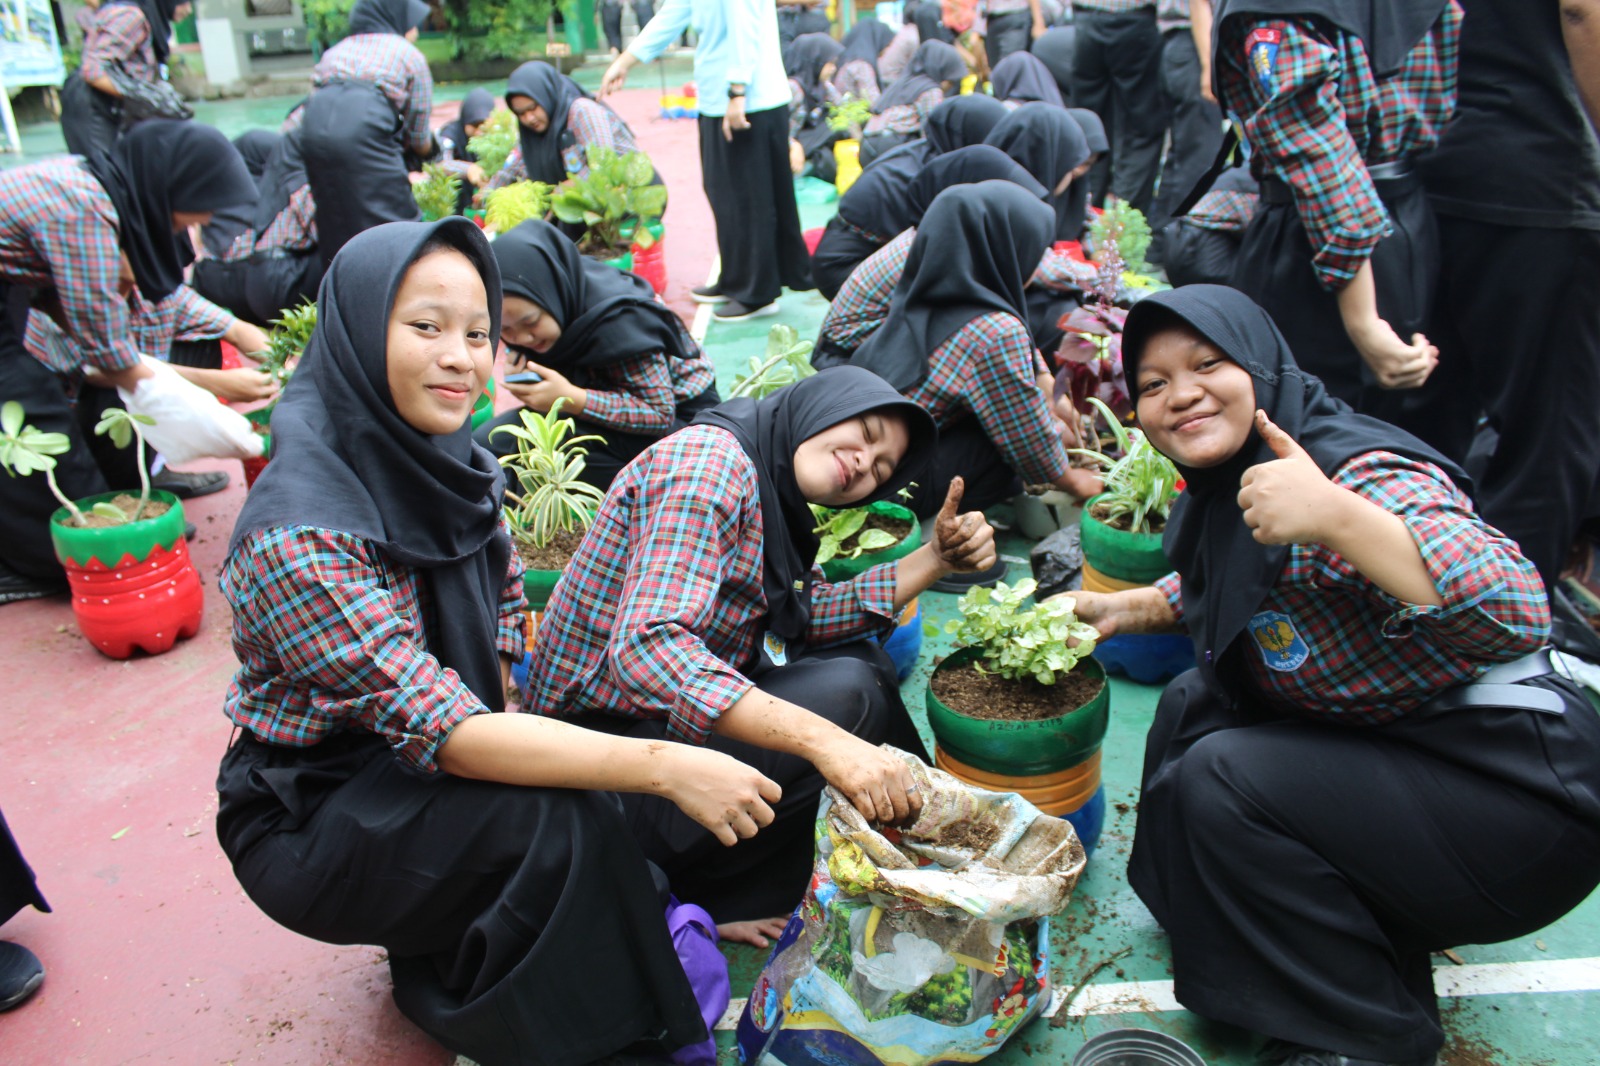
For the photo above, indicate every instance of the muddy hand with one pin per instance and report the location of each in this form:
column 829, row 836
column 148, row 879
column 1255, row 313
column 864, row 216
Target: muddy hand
column 963, row 542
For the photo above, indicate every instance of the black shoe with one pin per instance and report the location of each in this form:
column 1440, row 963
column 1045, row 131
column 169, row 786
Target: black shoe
column 959, row 583
column 189, row 530
column 15, row 587
column 707, row 294
column 1283, row 1053
column 734, row 311
column 21, row 974
column 187, row 486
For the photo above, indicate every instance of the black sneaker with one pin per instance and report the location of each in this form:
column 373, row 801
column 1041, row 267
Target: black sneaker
column 186, row 486
column 15, row 587
column 734, row 311
column 21, row 974
column 1283, row 1053
column 707, row 294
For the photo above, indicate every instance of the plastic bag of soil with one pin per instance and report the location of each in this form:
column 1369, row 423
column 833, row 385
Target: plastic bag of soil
column 916, row 944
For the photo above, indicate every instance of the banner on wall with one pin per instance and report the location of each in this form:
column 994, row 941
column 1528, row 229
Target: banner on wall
column 30, row 52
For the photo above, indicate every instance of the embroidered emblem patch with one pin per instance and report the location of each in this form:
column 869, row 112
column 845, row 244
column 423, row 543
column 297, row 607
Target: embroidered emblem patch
column 1261, row 48
column 1282, row 647
column 773, row 645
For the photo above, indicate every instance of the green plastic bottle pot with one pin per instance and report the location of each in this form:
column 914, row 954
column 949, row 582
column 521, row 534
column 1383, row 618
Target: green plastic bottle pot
column 112, row 545
column 1125, row 556
column 840, row 568
column 1021, row 748
column 538, row 585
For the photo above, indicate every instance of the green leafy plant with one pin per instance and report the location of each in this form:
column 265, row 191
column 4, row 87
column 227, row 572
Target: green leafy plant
column 328, row 20
column 494, row 29
column 849, row 115
column 836, row 527
column 1121, row 227
column 1141, row 486
column 507, row 207
column 496, row 139
column 291, row 332
column 616, row 191
column 26, row 449
column 1016, row 640
column 437, row 194
column 786, row 362
column 551, row 496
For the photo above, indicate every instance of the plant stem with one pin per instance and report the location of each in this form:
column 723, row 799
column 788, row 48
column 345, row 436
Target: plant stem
column 77, row 515
column 144, row 478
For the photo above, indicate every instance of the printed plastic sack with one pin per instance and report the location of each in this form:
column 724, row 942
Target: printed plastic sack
column 923, row 944
column 189, row 422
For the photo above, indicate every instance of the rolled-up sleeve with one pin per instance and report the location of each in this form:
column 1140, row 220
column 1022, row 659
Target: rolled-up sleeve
column 1171, row 587
column 849, row 610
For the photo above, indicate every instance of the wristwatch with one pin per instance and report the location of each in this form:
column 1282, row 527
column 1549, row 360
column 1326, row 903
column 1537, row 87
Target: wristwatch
column 735, row 91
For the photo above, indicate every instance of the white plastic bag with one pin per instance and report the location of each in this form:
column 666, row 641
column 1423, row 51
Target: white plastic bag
column 189, row 422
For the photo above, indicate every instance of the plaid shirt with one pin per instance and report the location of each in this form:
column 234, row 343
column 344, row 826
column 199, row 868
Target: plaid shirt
column 662, row 608
column 642, row 395
column 58, row 229
column 990, row 369
column 589, row 122
column 1317, row 116
column 394, row 65
column 863, row 300
column 1224, row 210
column 1061, row 272
column 184, row 315
column 119, row 34
column 295, row 228
column 1372, row 658
column 330, row 637
column 799, row 117
column 906, row 118
column 857, row 78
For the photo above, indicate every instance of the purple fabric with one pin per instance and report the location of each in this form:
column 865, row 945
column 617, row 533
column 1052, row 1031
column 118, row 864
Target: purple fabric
column 694, row 936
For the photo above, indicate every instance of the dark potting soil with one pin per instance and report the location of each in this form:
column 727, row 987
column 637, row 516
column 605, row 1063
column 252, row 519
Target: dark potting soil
column 127, row 503
column 898, row 528
column 554, row 555
column 1122, row 522
column 976, row 837
column 992, row 698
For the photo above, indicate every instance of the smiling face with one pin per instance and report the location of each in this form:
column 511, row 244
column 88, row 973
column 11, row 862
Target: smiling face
column 524, row 324
column 530, row 114
column 440, row 353
column 1194, row 403
column 847, row 462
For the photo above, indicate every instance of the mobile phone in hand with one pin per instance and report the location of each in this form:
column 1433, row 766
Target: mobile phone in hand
column 524, row 377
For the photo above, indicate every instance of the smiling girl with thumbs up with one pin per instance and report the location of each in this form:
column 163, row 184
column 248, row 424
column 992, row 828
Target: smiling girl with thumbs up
column 1374, row 758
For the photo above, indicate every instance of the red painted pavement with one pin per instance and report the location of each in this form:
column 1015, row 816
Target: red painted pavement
column 107, row 773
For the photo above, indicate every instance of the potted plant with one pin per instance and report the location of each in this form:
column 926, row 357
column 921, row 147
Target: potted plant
column 610, row 201
column 437, row 193
column 788, row 359
column 551, row 505
column 286, row 343
column 495, row 141
column 853, row 541
column 127, row 563
column 1021, row 706
column 509, row 206
column 848, row 117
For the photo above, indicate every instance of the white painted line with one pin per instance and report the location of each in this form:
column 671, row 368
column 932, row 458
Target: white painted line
column 702, row 314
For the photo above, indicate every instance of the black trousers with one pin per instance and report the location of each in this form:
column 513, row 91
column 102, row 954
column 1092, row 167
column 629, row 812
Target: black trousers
column 841, row 249
column 224, row 284
column 751, row 190
column 484, row 895
column 1116, row 73
column 1009, row 31
column 17, row 886
column 966, row 451
column 278, row 282
column 611, row 19
column 350, row 139
column 1306, row 871
column 1196, row 126
column 91, row 120
column 1539, row 383
column 855, row 688
column 1274, row 269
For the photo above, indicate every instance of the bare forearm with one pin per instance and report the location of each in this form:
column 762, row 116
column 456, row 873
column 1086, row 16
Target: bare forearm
column 1580, row 28
column 768, row 722
column 1358, row 301
column 1200, row 29
column 249, row 339
column 1143, row 610
column 105, row 85
column 915, row 574
column 526, row 749
column 1380, row 546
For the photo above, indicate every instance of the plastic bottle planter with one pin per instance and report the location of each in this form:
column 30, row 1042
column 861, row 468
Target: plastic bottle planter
column 650, row 263
column 847, row 158
column 483, row 407
column 133, row 585
column 1053, row 763
column 840, row 568
column 260, row 419
column 537, row 586
column 1115, row 560
column 904, row 644
column 621, row 262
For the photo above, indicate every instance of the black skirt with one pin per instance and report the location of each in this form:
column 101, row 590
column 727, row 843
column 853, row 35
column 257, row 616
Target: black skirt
column 355, row 163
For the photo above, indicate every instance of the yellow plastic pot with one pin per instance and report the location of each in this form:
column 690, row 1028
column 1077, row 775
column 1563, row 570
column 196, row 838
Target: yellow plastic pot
column 847, row 157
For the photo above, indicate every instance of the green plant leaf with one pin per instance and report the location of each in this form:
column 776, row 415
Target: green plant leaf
column 109, row 511
column 11, row 417
column 876, row 540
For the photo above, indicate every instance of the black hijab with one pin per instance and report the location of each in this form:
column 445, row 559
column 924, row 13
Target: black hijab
column 1056, row 50
column 1388, row 28
column 893, row 193
column 476, row 106
column 256, row 148
column 1226, row 574
column 1023, row 76
column 1072, row 212
column 933, row 63
column 398, row 17
column 1046, row 141
column 285, row 175
column 974, row 252
column 555, row 92
column 157, row 168
column 343, row 458
column 960, row 121
column 866, row 41
column 929, row 19
column 607, row 316
column 964, row 166
column 159, row 14
column 804, row 59
column 769, row 430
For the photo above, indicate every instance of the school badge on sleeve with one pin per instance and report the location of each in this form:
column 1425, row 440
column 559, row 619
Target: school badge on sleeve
column 1282, row 647
column 1261, row 48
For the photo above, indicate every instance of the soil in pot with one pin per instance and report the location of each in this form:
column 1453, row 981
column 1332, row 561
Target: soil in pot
column 128, row 504
column 1123, row 523
column 990, row 697
column 605, row 253
column 554, row 555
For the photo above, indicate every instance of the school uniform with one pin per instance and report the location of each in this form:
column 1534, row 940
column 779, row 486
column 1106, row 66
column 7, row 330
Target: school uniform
column 857, row 76
column 795, row 22
column 221, row 265
column 905, row 106
column 1347, row 782
column 1023, row 78
column 375, row 594
column 123, row 34
column 1202, row 247
column 1335, row 127
column 1193, row 122
column 577, row 123
column 1009, row 30
column 809, row 100
column 694, row 585
column 1049, row 143
column 168, row 329
column 455, row 152
column 1116, row 73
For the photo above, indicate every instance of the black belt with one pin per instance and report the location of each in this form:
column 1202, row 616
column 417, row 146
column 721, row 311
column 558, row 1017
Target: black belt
column 1390, row 179
column 1503, row 686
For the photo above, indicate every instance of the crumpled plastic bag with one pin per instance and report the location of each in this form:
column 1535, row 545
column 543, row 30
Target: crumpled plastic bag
column 189, row 422
column 1057, row 562
column 920, row 943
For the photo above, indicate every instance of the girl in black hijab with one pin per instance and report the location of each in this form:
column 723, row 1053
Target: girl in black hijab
column 935, row 71
column 369, row 794
column 956, row 343
column 692, row 612
column 956, row 123
column 559, row 123
column 1051, row 146
column 1022, row 77
column 1056, row 50
column 858, row 64
column 598, row 337
column 1074, row 217
column 891, row 197
column 127, row 40
column 811, row 61
column 1374, row 758
column 454, row 137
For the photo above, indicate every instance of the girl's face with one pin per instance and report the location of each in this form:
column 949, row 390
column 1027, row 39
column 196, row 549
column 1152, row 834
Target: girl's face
column 828, row 71
column 1195, row 404
column 524, row 324
column 530, row 114
column 440, row 353
column 847, row 462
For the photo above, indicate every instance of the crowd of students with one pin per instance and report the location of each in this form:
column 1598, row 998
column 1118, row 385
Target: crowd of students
column 1384, row 748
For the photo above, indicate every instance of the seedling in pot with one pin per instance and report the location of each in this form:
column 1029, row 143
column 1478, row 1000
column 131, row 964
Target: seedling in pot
column 618, row 189
column 837, row 527
column 551, row 496
column 495, row 141
column 849, row 116
column 25, row 449
column 1140, row 487
column 291, row 332
column 1017, row 641
column 506, row 208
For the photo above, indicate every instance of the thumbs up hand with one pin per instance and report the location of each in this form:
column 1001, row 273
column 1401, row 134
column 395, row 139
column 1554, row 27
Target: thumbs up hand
column 1287, row 500
column 961, row 542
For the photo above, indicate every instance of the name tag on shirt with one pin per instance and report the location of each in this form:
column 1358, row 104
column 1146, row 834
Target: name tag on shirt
column 1282, row 647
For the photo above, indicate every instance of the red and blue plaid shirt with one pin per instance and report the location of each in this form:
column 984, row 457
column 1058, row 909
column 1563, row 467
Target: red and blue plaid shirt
column 330, row 635
column 1224, row 210
column 184, row 315
column 857, row 78
column 662, row 608
column 590, row 123
column 1370, row 658
column 1318, row 116
column 862, row 302
column 58, row 229
column 396, row 67
column 906, row 118
column 642, row 395
column 119, row 34
column 989, row 369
